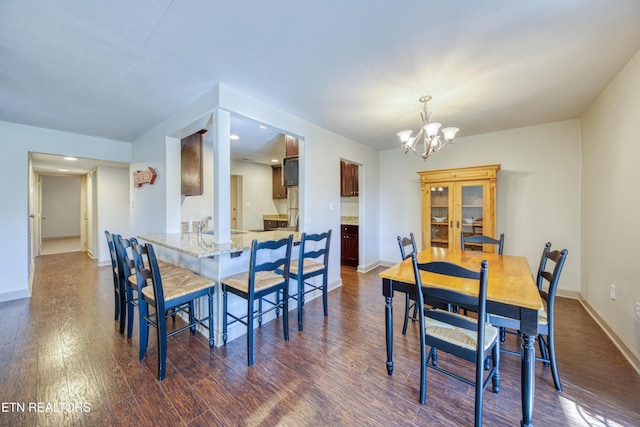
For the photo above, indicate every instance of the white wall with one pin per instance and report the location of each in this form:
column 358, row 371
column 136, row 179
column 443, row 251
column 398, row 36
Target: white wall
column 113, row 207
column 257, row 194
column 538, row 191
column 611, row 204
column 60, row 206
column 15, row 142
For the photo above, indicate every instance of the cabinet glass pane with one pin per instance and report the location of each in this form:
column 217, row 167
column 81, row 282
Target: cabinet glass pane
column 472, row 221
column 440, row 217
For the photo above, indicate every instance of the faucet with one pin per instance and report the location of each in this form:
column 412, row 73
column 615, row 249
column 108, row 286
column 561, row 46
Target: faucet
column 204, row 221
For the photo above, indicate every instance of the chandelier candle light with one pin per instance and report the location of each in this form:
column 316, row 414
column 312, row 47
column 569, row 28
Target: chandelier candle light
column 428, row 135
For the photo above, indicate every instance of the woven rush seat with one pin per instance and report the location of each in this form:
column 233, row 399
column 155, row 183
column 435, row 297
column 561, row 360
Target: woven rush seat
column 177, row 286
column 263, row 280
column 310, row 266
column 167, row 271
column 463, row 337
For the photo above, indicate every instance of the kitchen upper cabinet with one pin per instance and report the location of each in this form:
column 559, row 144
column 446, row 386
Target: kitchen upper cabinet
column 191, row 164
column 458, row 200
column 348, row 179
column 279, row 191
column 290, row 146
column 349, row 245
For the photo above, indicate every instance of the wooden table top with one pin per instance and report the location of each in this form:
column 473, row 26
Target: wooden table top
column 510, row 281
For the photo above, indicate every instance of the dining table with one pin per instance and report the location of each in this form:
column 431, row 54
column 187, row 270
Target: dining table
column 511, row 292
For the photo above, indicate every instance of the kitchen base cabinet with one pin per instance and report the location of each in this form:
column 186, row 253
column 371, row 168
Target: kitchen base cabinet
column 272, row 224
column 349, row 245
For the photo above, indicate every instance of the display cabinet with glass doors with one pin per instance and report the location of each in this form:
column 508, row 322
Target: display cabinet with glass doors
column 458, row 200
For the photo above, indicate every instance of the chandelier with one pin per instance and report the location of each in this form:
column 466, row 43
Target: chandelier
column 427, row 142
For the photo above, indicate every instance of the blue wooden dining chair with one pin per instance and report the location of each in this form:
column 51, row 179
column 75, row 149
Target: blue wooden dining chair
column 169, row 296
column 118, row 285
column 461, row 336
column 262, row 279
column 312, row 262
column 125, row 271
column 547, row 281
column 407, row 247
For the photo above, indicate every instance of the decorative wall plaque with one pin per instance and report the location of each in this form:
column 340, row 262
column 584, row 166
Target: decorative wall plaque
column 144, row 177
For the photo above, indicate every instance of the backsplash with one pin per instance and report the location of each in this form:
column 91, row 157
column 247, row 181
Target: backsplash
column 349, row 220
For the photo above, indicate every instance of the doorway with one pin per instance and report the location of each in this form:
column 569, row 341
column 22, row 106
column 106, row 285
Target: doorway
column 350, row 213
column 236, row 202
column 61, row 214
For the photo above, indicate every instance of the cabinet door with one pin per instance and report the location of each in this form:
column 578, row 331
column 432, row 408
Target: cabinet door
column 440, row 219
column 474, row 212
column 349, row 246
column 290, row 146
column 279, row 191
column 348, row 179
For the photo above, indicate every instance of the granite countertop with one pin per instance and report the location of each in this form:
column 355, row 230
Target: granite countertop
column 275, row 217
column 203, row 246
column 351, row 220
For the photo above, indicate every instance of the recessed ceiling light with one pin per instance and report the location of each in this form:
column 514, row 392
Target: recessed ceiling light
column 234, row 137
column 70, row 158
column 63, row 170
column 263, row 127
column 275, row 160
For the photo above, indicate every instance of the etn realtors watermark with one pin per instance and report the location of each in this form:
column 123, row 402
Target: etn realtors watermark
column 44, row 407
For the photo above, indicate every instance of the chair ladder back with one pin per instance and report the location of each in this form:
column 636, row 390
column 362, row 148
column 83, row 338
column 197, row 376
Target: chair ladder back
column 542, row 265
column 405, row 242
column 553, row 278
column 142, row 272
column 319, row 250
column 271, row 245
column 485, row 240
column 112, row 250
column 123, row 257
column 156, row 278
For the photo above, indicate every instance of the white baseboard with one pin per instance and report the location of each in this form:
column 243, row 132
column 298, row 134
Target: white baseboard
column 14, row 295
column 568, row 294
column 367, row 268
column 627, row 352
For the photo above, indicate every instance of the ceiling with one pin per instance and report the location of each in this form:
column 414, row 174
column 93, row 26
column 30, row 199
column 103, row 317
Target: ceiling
column 117, row 69
column 49, row 164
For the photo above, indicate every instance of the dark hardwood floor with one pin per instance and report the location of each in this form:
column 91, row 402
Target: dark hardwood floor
column 62, row 345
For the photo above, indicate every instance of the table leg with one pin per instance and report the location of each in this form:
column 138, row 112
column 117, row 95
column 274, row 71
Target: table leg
column 528, row 378
column 388, row 315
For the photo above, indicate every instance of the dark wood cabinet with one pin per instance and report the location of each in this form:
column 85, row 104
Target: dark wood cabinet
column 290, row 146
column 279, row 191
column 348, row 179
column 272, row 224
column 349, row 245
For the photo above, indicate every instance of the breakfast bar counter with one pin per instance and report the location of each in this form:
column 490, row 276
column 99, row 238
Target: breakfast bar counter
column 200, row 254
column 203, row 246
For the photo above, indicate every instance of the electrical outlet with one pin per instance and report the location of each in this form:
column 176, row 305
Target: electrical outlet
column 638, row 310
column 612, row 291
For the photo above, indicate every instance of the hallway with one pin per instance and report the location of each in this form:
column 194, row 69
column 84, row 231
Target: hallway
column 59, row 246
